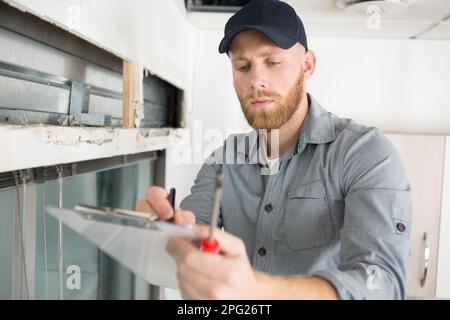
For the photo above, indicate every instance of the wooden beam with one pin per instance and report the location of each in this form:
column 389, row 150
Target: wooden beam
column 132, row 86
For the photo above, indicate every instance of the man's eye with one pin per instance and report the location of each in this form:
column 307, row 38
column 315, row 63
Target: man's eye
column 243, row 68
column 272, row 63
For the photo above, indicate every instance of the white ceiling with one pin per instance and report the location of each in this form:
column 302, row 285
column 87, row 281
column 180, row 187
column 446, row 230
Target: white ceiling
column 424, row 19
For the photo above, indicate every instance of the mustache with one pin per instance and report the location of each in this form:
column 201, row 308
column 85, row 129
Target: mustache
column 262, row 93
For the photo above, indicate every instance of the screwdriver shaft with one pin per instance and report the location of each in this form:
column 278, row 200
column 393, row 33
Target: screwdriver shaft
column 216, row 206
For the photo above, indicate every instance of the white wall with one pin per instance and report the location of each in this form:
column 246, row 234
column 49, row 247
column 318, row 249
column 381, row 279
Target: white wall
column 396, row 85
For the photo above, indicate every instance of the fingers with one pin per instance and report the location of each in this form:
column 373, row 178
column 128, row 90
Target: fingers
column 189, row 291
column 158, row 203
column 192, row 261
column 228, row 243
column 202, row 275
column 143, row 206
column 178, row 248
column 186, row 254
column 157, row 199
column 184, row 217
column 194, row 285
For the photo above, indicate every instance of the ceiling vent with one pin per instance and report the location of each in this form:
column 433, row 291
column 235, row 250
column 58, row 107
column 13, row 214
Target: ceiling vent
column 225, row 6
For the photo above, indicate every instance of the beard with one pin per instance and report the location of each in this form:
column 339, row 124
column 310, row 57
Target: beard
column 272, row 117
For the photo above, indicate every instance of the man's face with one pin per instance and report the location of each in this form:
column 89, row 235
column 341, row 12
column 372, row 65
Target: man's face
column 268, row 80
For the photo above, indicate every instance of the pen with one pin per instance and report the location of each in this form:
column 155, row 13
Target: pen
column 210, row 244
column 172, row 203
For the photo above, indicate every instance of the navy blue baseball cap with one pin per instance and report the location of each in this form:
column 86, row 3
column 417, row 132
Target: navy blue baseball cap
column 276, row 19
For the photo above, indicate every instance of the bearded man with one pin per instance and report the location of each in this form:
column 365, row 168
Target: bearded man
column 324, row 213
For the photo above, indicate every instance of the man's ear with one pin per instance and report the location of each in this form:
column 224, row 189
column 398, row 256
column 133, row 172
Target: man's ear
column 309, row 64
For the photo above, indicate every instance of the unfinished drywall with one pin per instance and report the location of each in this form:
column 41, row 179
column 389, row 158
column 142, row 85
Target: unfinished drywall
column 52, row 145
column 155, row 34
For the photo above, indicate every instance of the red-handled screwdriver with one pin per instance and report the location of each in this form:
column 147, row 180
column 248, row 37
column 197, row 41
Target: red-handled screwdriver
column 210, row 244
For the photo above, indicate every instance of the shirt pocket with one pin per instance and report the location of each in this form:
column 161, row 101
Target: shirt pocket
column 307, row 222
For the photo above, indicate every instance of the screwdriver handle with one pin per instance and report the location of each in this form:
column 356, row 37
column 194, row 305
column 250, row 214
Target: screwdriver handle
column 210, row 246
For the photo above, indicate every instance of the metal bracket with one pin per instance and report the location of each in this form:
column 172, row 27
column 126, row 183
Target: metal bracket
column 79, row 102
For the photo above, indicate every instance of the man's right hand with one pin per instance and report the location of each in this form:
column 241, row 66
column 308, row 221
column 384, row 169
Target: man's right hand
column 157, row 202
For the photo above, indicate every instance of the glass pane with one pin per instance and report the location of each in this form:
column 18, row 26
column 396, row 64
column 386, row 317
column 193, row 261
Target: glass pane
column 101, row 277
column 6, row 241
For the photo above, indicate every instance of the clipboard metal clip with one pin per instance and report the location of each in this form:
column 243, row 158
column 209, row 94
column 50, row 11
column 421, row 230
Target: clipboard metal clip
column 118, row 216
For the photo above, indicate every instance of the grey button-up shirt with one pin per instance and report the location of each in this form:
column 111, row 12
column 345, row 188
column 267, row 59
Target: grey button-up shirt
column 337, row 207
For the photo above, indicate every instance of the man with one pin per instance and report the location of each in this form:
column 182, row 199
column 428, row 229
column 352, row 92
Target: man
column 331, row 221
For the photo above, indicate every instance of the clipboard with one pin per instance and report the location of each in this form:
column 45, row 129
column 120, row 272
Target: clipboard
column 136, row 240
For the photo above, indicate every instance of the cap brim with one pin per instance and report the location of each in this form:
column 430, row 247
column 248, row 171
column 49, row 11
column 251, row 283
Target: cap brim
column 282, row 40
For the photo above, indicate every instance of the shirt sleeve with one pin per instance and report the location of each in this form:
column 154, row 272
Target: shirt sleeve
column 375, row 248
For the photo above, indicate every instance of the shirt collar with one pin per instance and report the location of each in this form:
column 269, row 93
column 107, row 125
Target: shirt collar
column 317, row 128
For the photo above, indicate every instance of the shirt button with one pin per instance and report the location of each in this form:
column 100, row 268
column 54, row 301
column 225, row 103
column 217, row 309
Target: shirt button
column 401, row 227
column 268, row 208
column 262, row 251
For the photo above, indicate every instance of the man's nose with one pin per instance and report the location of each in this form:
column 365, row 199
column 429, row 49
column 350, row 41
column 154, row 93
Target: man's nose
column 258, row 80
column 258, row 84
